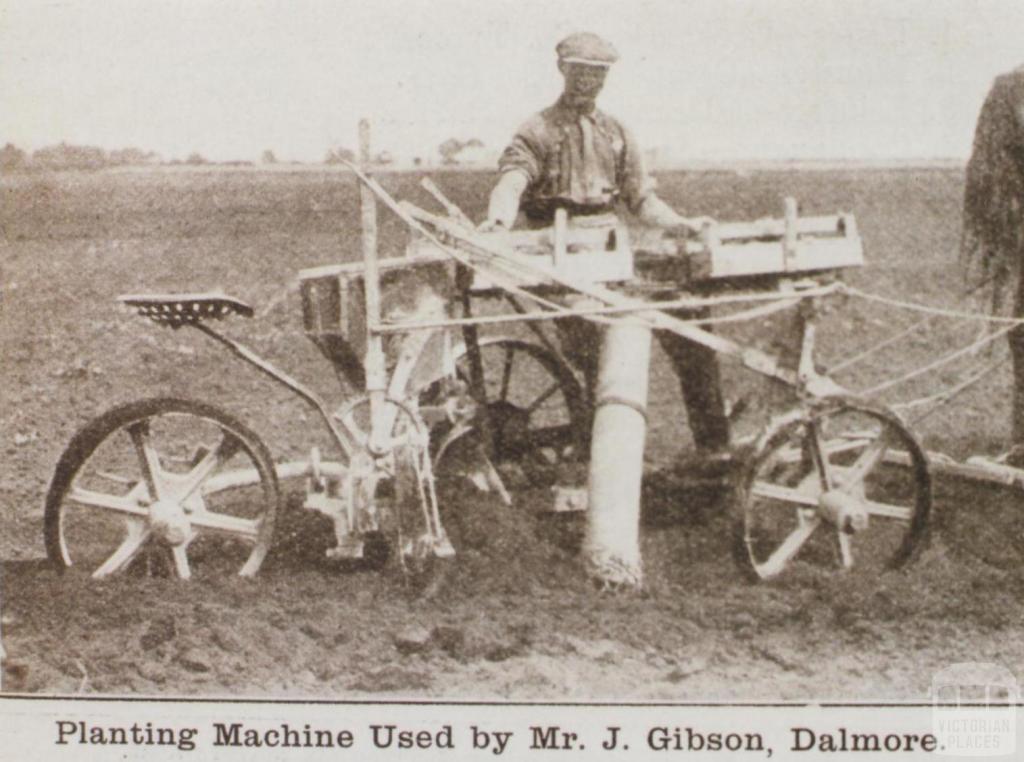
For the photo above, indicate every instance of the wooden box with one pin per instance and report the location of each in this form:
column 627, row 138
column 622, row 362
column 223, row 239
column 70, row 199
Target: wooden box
column 334, row 305
column 786, row 246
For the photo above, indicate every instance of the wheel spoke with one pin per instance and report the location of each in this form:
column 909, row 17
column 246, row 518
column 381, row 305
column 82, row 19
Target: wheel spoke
column 229, row 445
column 544, row 397
column 222, row 524
column 845, row 549
column 180, row 555
column 796, row 495
column 899, row 512
column 136, row 537
column 866, row 461
column 783, row 554
column 550, row 436
column 149, row 460
column 353, row 428
column 820, row 456
column 506, row 373
column 106, row 502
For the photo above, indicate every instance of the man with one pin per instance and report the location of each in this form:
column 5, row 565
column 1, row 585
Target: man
column 992, row 246
column 575, row 156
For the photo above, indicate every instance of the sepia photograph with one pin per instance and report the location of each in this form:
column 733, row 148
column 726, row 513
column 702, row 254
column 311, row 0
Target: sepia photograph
column 525, row 353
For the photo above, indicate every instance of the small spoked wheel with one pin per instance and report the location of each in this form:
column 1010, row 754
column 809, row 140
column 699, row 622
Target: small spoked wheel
column 393, row 493
column 841, row 484
column 163, row 486
column 537, row 414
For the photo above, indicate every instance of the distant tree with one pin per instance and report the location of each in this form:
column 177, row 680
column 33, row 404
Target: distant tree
column 12, row 157
column 451, row 148
column 195, row 158
column 268, row 157
column 448, row 149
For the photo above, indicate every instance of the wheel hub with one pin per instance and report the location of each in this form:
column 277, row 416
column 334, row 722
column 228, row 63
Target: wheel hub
column 168, row 521
column 844, row 510
column 511, row 426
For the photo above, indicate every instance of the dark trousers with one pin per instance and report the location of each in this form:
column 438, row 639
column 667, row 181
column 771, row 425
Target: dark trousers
column 695, row 365
column 700, row 380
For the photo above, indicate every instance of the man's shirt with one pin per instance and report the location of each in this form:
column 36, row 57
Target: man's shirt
column 585, row 162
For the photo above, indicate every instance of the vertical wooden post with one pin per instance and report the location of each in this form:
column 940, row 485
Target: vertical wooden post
column 375, row 364
column 559, row 234
column 789, row 238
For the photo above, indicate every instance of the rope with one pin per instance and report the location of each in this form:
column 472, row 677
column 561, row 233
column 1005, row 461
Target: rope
column 851, row 291
column 969, row 349
column 945, row 396
column 878, row 347
column 781, row 303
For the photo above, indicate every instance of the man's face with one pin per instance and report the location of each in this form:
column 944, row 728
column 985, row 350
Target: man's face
column 582, row 83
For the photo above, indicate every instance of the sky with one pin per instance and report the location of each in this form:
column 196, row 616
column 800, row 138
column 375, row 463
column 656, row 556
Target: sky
column 702, row 79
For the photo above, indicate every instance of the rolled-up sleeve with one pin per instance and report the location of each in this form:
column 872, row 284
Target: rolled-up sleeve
column 634, row 183
column 526, row 151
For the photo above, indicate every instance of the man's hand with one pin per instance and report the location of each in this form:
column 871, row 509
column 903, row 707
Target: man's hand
column 657, row 213
column 690, row 227
column 697, row 224
column 491, row 226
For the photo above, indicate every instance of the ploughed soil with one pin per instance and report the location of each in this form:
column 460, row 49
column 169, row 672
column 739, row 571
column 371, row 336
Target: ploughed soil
column 514, row 616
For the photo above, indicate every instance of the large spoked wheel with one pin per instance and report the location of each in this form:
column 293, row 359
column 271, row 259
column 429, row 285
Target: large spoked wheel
column 841, row 484
column 536, row 408
column 162, row 486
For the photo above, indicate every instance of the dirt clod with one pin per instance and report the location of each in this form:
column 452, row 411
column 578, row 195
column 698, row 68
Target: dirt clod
column 451, row 640
column 412, row 640
column 152, row 671
column 194, row 660
column 159, row 631
column 226, row 640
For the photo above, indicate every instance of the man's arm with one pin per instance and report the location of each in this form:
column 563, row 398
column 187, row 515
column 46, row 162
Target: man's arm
column 640, row 198
column 504, row 204
column 520, row 164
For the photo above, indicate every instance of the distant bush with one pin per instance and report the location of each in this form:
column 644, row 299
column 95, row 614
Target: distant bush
column 65, row 156
column 12, row 157
column 130, row 157
column 338, row 155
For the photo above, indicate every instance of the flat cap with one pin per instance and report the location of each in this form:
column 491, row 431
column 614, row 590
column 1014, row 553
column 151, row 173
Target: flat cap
column 587, row 48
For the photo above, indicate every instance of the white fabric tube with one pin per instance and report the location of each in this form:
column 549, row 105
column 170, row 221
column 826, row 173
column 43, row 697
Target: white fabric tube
column 611, row 548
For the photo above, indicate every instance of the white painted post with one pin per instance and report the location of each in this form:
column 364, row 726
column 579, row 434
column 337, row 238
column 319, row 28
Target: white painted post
column 611, row 547
column 559, row 233
column 789, row 236
column 374, row 363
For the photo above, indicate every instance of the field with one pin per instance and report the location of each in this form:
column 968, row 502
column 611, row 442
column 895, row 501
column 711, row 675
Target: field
column 516, row 620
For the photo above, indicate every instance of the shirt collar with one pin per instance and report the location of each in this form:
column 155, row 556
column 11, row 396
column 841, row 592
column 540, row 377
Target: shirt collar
column 572, row 112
